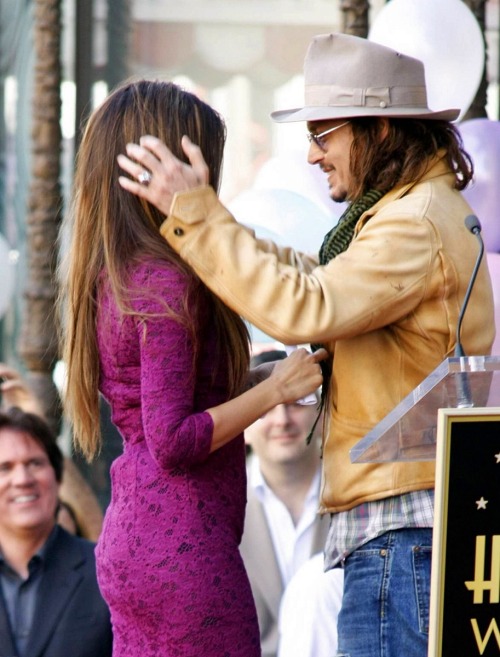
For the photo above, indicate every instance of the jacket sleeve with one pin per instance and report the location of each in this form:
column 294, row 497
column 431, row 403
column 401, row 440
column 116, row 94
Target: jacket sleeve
column 284, row 293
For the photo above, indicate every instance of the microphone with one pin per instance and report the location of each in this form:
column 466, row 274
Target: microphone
column 464, row 398
column 472, row 224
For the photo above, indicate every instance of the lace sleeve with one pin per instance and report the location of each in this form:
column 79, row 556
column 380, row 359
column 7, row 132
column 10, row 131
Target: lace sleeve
column 175, row 433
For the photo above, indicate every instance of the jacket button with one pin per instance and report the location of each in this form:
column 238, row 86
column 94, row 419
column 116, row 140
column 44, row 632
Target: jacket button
column 179, row 232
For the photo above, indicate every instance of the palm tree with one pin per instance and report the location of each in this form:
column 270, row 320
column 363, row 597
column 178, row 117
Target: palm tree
column 355, row 17
column 478, row 106
column 38, row 337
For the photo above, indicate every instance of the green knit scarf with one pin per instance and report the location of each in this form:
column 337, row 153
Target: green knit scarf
column 336, row 241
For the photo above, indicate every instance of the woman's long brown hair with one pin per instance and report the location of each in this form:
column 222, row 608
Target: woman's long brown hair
column 107, row 229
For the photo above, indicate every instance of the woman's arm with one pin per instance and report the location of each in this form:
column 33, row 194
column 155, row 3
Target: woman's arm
column 177, row 434
column 177, row 430
column 292, row 378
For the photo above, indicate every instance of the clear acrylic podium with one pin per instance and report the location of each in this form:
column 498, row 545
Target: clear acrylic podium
column 408, row 432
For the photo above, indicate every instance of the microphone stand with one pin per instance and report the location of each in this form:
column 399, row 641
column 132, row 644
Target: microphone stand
column 464, row 396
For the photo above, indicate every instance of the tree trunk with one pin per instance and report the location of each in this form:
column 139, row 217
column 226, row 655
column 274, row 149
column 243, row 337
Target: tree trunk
column 38, row 345
column 355, row 17
column 478, row 106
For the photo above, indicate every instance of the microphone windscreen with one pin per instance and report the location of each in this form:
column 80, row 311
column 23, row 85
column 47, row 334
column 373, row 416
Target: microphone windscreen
column 472, row 223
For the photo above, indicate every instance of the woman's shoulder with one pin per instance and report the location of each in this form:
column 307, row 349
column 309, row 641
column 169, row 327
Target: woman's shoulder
column 154, row 284
column 153, row 271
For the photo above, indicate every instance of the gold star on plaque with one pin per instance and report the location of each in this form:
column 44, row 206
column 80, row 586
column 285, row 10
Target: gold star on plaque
column 481, row 504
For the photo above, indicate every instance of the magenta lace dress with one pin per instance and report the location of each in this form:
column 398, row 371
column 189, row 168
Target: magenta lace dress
column 168, row 558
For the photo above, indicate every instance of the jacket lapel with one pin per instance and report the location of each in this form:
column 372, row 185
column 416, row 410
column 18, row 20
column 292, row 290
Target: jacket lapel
column 7, row 647
column 61, row 576
column 258, row 553
column 437, row 167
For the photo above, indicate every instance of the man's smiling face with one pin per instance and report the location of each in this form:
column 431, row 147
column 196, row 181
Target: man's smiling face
column 28, row 485
column 333, row 155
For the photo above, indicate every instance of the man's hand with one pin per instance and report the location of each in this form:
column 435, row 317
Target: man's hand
column 16, row 392
column 168, row 174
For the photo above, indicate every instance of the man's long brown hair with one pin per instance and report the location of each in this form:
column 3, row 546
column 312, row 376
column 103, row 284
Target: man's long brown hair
column 386, row 153
column 109, row 229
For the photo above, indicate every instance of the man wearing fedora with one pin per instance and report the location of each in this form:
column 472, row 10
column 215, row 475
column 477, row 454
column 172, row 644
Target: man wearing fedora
column 384, row 296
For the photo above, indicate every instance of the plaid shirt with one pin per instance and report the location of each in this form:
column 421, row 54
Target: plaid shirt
column 351, row 529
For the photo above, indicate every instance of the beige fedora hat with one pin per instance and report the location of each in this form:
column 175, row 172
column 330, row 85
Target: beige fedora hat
column 347, row 77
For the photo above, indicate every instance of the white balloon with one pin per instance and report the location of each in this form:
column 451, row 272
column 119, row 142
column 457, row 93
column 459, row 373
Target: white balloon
column 291, row 171
column 446, row 37
column 287, row 219
column 284, row 216
column 6, row 276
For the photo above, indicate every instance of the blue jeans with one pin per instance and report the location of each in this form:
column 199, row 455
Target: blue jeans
column 385, row 608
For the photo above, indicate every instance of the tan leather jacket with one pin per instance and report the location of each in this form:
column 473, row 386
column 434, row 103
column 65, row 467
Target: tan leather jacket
column 386, row 308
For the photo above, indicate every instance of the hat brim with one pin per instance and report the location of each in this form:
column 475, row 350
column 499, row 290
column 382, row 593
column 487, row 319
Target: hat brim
column 327, row 113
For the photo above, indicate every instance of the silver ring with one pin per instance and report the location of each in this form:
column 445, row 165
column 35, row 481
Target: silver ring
column 144, row 178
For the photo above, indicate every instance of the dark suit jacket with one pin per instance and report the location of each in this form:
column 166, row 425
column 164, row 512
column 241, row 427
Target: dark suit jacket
column 263, row 569
column 71, row 618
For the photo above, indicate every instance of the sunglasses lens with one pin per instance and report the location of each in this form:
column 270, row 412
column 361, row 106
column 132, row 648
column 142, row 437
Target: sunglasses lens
column 313, row 138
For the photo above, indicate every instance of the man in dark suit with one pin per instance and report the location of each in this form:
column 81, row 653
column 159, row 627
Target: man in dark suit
column 50, row 604
column 282, row 525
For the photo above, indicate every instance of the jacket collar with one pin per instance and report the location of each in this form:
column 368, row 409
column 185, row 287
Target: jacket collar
column 437, row 167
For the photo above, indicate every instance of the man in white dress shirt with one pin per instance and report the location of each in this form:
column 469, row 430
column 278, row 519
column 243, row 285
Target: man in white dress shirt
column 309, row 609
column 282, row 526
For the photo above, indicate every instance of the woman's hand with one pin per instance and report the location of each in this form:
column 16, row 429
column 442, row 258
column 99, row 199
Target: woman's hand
column 291, row 379
column 298, row 375
column 168, row 175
